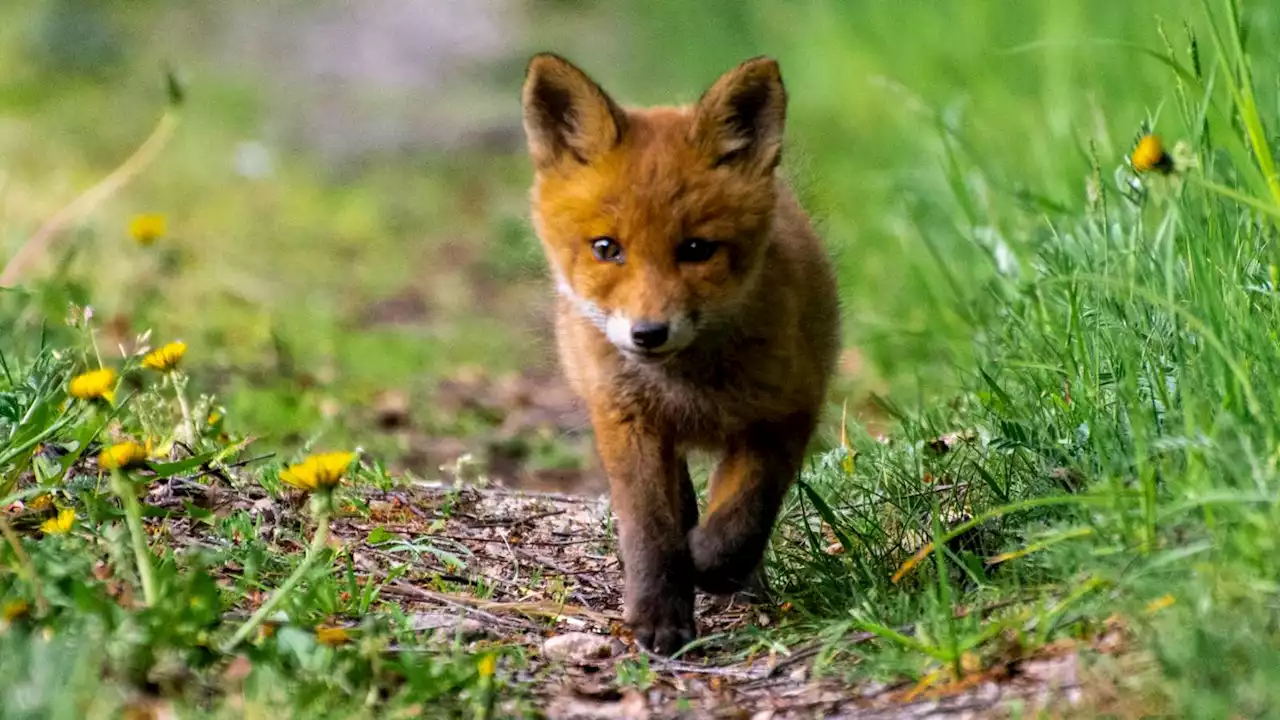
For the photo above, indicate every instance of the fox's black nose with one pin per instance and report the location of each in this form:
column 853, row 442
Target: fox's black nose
column 649, row 335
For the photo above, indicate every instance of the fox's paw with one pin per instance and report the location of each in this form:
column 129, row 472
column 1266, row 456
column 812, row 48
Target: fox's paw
column 663, row 623
column 720, row 570
column 755, row 591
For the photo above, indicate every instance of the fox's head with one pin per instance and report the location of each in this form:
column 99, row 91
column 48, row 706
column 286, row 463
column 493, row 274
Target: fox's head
column 654, row 220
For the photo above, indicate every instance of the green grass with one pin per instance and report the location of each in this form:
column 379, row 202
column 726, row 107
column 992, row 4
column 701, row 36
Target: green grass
column 1104, row 343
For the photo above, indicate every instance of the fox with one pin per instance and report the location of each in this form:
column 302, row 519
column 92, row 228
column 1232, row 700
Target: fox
column 696, row 310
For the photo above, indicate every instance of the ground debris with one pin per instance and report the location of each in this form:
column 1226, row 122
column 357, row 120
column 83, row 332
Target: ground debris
column 479, row 566
column 540, row 570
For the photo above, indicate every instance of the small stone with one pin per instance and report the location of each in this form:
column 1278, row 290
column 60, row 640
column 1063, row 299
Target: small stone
column 430, row 621
column 444, row 626
column 468, row 628
column 577, row 647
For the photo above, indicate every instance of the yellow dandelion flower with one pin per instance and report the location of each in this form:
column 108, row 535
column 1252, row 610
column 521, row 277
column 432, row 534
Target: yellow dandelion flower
column 61, row 524
column 322, row 471
column 166, row 358
column 332, row 636
column 488, row 664
column 13, row 610
column 1160, row 603
column 94, row 385
column 122, row 456
column 147, row 228
column 1149, row 154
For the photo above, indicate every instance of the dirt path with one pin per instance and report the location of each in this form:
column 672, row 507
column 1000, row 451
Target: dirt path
column 539, row 570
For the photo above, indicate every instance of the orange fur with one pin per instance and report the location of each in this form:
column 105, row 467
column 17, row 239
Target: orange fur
column 750, row 330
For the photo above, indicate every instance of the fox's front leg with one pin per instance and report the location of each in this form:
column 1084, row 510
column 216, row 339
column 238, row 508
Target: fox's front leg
column 647, row 485
column 746, row 491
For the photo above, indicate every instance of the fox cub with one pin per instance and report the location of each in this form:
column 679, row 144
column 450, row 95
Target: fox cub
column 697, row 310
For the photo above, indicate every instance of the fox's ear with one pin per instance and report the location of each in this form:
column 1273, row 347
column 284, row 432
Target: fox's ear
column 741, row 118
column 566, row 114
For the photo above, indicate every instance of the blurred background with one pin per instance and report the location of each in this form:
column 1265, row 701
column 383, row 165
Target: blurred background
column 347, row 250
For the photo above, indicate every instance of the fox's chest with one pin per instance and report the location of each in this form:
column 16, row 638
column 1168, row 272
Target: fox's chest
column 704, row 405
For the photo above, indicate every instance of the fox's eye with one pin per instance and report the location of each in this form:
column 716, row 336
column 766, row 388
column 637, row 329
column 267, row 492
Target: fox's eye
column 606, row 249
column 696, row 250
